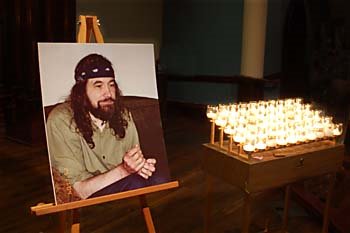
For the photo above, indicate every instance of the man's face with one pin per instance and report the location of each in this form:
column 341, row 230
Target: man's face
column 101, row 93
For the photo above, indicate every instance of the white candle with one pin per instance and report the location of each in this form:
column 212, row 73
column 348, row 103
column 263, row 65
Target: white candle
column 281, row 141
column 319, row 134
column 260, row 145
column 238, row 139
column 328, row 132
column 228, row 130
column 336, row 132
column 220, row 122
column 211, row 115
column 302, row 137
column 311, row 136
column 271, row 142
column 248, row 148
column 292, row 139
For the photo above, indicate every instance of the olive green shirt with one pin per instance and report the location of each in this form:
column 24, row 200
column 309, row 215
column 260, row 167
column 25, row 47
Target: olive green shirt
column 71, row 155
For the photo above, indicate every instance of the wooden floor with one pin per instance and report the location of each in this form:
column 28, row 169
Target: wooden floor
column 25, row 181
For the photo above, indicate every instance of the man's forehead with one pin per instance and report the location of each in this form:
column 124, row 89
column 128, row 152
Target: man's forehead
column 101, row 79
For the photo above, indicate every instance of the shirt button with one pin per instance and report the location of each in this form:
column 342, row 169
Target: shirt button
column 103, row 157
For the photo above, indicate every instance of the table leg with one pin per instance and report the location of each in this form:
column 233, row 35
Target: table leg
column 286, row 208
column 328, row 203
column 75, row 227
column 246, row 215
column 207, row 208
column 62, row 219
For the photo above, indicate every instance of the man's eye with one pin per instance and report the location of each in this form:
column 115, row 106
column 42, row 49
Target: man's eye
column 98, row 86
column 112, row 85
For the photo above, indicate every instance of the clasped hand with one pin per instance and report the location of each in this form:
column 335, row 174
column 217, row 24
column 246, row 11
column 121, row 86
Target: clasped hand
column 134, row 162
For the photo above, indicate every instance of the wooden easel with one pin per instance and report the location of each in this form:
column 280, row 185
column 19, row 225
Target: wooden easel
column 88, row 25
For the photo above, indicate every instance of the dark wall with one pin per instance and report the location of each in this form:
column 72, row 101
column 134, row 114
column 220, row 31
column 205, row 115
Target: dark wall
column 315, row 48
column 201, row 38
column 24, row 23
column 204, row 38
column 276, row 17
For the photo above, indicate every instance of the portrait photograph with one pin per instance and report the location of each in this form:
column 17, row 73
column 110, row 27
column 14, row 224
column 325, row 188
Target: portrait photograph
column 102, row 120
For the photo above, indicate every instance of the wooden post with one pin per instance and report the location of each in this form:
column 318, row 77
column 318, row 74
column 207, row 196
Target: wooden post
column 212, row 132
column 286, row 208
column 230, row 144
column 221, row 137
column 81, row 38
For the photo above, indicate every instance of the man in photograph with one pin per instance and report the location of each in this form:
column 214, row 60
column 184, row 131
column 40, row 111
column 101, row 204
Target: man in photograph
column 92, row 138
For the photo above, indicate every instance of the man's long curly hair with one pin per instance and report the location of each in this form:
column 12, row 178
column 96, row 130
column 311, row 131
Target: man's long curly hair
column 80, row 105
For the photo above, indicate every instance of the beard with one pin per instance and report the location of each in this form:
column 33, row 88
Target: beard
column 105, row 109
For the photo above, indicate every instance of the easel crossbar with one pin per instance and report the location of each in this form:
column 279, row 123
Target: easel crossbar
column 48, row 209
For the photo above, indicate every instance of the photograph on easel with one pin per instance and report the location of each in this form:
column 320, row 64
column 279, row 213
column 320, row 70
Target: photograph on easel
column 102, row 119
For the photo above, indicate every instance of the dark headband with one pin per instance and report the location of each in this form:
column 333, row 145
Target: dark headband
column 93, row 66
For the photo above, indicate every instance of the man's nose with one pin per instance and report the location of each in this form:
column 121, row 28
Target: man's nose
column 107, row 92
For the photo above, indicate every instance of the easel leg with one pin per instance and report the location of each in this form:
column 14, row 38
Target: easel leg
column 246, row 215
column 286, row 208
column 328, row 203
column 207, row 208
column 75, row 228
column 147, row 215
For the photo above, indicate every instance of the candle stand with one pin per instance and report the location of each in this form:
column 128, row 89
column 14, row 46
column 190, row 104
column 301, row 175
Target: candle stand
column 278, row 167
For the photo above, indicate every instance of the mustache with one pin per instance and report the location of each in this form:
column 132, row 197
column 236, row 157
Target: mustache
column 106, row 100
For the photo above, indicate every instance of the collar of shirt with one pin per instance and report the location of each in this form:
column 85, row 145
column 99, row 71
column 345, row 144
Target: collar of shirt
column 98, row 122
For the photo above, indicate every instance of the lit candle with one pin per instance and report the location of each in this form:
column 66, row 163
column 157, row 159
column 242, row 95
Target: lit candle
column 271, row 142
column 211, row 115
column 302, row 135
column 336, row 132
column 319, row 129
column 338, row 129
column 261, row 144
column 328, row 130
column 258, row 125
column 238, row 138
column 319, row 134
column 248, row 148
column 281, row 139
column 249, row 144
column 221, row 122
column 212, row 112
column 310, row 135
column 292, row 139
column 229, row 130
